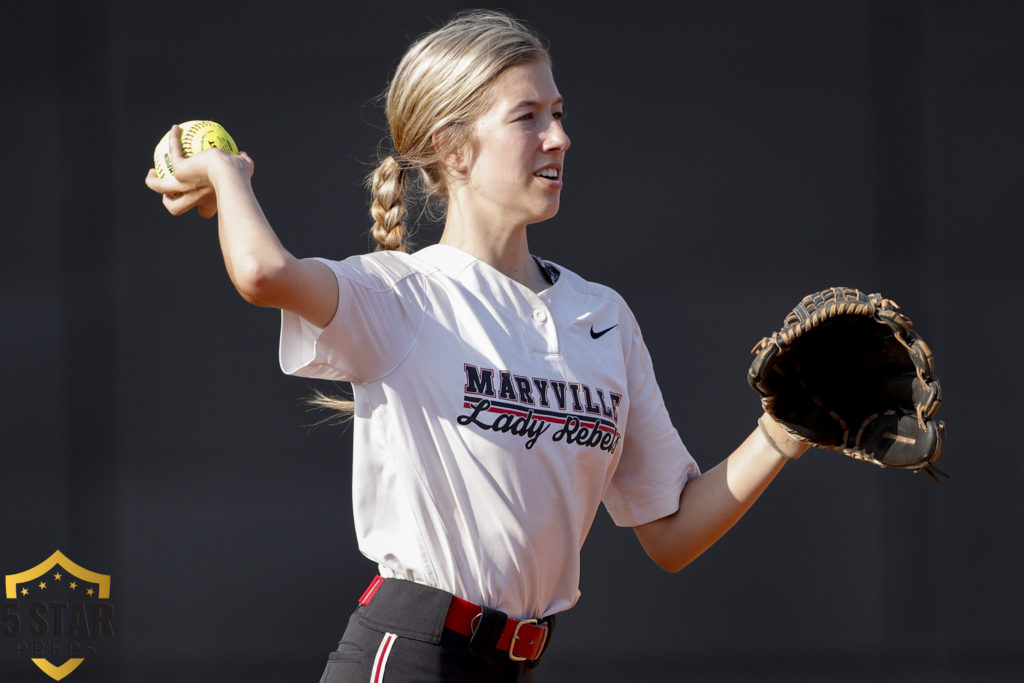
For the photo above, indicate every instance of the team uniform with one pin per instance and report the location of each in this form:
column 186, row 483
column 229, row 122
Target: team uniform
column 490, row 423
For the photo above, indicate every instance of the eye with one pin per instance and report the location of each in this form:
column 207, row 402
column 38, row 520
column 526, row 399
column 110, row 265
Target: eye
column 526, row 117
column 558, row 115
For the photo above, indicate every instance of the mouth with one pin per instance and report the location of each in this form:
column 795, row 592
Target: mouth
column 549, row 173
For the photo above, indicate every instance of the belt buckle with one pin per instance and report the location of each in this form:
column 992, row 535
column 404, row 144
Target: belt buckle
column 515, row 638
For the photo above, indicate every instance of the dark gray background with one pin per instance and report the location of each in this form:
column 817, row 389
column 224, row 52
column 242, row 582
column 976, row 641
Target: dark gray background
column 728, row 157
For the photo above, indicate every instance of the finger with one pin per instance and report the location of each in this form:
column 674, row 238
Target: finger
column 157, row 184
column 251, row 164
column 174, row 141
column 176, row 205
column 169, row 204
column 168, row 185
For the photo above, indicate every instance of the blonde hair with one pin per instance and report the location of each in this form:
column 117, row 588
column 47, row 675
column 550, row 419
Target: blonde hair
column 439, row 89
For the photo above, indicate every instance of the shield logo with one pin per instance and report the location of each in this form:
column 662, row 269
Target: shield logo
column 61, row 612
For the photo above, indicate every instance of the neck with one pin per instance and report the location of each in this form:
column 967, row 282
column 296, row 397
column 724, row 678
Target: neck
column 503, row 248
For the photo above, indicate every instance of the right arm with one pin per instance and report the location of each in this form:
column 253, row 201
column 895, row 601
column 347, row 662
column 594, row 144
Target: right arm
column 260, row 268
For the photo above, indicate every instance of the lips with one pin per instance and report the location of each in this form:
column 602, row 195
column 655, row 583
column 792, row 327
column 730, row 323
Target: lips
column 550, row 175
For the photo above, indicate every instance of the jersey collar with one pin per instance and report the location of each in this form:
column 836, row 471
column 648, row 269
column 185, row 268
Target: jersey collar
column 453, row 262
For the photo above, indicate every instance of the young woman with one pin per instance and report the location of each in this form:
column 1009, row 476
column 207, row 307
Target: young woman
column 499, row 397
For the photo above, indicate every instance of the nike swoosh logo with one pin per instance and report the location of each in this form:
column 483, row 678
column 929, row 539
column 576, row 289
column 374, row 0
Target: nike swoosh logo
column 598, row 335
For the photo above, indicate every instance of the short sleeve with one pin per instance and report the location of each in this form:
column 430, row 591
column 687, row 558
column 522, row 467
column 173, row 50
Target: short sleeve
column 381, row 307
column 654, row 465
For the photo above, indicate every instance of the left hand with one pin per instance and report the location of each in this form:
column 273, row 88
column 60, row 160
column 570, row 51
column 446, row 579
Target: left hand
column 784, row 441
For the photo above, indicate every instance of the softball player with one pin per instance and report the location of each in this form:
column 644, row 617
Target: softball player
column 498, row 398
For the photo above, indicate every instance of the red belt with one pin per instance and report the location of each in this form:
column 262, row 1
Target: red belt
column 521, row 639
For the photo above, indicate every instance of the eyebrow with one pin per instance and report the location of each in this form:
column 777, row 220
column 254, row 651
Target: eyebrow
column 534, row 103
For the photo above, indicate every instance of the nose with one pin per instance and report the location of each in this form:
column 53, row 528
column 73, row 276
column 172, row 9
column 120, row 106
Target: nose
column 555, row 138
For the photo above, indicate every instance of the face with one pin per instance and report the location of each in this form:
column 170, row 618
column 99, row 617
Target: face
column 512, row 171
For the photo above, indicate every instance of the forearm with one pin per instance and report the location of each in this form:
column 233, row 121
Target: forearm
column 253, row 255
column 260, row 268
column 712, row 503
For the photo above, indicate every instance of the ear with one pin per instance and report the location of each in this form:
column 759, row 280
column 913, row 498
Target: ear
column 456, row 162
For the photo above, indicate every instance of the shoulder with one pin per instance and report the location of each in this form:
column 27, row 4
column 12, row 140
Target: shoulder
column 380, row 268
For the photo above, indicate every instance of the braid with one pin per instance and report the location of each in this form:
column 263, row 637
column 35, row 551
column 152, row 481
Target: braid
column 388, row 186
column 439, row 88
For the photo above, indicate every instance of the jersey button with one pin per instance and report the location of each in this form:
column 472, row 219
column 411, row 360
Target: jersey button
column 539, row 315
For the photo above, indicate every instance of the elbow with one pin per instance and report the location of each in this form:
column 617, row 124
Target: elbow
column 666, row 554
column 676, row 559
column 256, row 280
column 665, row 546
column 670, row 553
column 671, row 565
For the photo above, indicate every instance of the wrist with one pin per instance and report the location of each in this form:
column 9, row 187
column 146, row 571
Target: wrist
column 222, row 168
column 779, row 439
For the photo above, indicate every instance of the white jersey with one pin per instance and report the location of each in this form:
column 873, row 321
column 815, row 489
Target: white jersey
column 490, row 422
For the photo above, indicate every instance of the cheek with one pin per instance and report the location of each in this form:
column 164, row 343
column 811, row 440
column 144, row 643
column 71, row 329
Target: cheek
column 501, row 165
column 501, row 155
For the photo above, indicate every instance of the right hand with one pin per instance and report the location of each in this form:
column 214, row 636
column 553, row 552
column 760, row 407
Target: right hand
column 192, row 184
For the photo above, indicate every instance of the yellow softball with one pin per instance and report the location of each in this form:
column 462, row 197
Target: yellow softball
column 195, row 137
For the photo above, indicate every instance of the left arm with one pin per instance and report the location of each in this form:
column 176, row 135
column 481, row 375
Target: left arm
column 713, row 502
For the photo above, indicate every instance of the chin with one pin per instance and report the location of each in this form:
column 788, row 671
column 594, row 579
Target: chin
column 546, row 213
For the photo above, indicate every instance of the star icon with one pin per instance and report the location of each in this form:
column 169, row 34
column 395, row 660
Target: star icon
column 56, row 577
column 42, row 584
column 24, row 591
column 73, row 585
column 89, row 592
